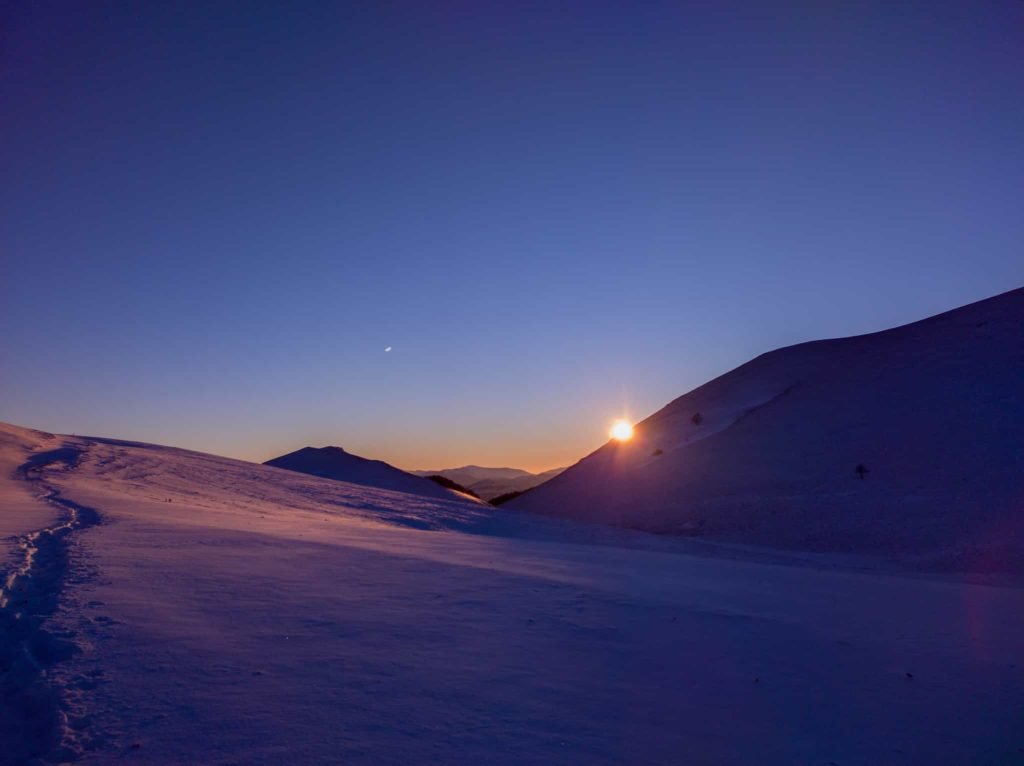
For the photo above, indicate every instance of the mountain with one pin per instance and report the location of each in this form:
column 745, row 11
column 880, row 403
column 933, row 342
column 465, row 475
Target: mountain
column 469, row 474
column 336, row 463
column 768, row 454
column 489, row 483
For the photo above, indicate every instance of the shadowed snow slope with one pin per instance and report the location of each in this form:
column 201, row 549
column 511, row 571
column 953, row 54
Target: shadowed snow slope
column 933, row 410
column 223, row 612
column 336, row 463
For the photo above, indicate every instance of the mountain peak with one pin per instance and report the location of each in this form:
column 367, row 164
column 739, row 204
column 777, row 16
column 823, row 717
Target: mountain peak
column 328, row 450
column 333, row 462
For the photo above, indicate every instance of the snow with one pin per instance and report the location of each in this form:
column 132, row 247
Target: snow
column 934, row 410
column 20, row 511
column 222, row 612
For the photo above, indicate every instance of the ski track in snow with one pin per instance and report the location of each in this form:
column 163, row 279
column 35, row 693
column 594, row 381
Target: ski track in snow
column 33, row 719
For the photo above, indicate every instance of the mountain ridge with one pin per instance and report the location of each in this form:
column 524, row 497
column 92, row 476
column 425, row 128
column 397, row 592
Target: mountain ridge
column 766, row 453
column 334, row 462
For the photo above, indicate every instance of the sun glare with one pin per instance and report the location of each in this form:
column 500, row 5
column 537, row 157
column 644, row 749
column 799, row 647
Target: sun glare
column 622, row 430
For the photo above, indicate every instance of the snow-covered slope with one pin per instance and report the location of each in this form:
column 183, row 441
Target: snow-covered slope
column 933, row 410
column 195, row 609
column 20, row 510
column 489, row 483
column 336, row 463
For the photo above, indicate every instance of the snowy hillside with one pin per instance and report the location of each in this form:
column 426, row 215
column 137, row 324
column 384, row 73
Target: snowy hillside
column 336, row 463
column 184, row 608
column 767, row 454
column 20, row 510
column 489, row 483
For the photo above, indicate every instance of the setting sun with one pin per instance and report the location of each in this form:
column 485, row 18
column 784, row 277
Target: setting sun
column 622, row 430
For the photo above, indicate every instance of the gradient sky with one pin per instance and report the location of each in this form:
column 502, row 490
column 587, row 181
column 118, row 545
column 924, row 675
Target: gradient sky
column 214, row 217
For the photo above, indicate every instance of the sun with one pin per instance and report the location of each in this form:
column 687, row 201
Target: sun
column 622, row 430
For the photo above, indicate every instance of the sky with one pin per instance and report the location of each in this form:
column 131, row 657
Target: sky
column 215, row 217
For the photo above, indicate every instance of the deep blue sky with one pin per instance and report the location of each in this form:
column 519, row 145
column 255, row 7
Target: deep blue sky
column 214, row 217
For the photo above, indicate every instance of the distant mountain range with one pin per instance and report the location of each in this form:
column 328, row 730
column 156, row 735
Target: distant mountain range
column 490, row 483
column 336, row 463
column 908, row 441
